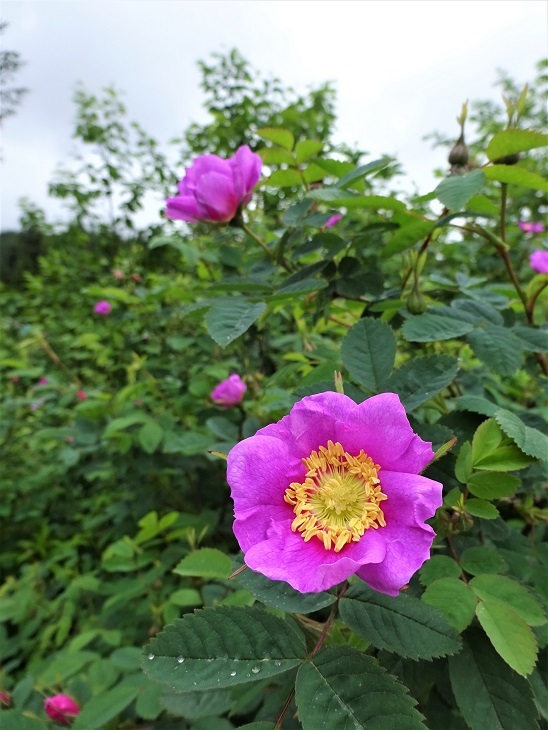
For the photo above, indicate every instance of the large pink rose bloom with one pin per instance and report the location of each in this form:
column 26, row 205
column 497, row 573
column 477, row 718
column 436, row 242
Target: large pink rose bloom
column 229, row 392
column 539, row 261
column 213, row 189
column 61, row 708
column 334, row 489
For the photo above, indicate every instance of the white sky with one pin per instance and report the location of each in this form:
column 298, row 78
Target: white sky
column 402, row 68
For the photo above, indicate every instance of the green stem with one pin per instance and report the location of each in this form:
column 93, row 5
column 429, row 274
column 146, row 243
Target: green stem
column 262, row 244
column 504, row 198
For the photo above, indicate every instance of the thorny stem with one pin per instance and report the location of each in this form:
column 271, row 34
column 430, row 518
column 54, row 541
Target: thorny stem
column 314, row 651
column 57, row 360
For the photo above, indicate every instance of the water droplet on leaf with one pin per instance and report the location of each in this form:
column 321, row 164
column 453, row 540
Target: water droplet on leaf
column 256, row 670
column 180, row 659
column 232, row 674
column 151, row 656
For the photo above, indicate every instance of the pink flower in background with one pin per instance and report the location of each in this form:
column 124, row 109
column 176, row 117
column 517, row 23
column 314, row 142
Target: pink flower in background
column 102, row 308
column 530, row 227
column 333, row 220
column 229, row 392
column 15, row 379
column 333, row 490
column 43, row 381
column 213, row 189
column 61, row 708
column 136, row 278
column 5, row 699
column 539, row 261
column 81, row 395
column 118, row 274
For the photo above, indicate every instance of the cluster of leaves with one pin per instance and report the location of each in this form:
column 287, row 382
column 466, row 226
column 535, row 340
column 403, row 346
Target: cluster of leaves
column 117, row 516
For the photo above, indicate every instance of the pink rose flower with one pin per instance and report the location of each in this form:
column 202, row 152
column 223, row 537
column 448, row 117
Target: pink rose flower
column 229, row 392
column 333, row 220
column 43, row 381
column 118, row 274
column 213, row 189
column 539, row 261
column 136, row 278
column 530, row 227
column 81, row 395
column 334, row 489
column 102, row 308
column 61, row 708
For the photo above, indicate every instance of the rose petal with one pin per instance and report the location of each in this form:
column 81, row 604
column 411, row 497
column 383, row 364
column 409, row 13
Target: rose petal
column 215, row 198
column 412, row 499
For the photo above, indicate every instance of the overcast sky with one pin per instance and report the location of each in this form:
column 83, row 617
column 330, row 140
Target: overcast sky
column 402, row 68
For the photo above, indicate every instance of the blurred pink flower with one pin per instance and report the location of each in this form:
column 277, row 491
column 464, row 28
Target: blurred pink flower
column 81, row 395
column 136, row 278
column 530, row 227
column 118, row 274
column 43, row 381
column 15, row 379
column 61, row 708
column 333, row 220
column 5, row 699
column 539, row 261
column 102, row 308
column 332, row 490
column 213, row 189
column 229, row 392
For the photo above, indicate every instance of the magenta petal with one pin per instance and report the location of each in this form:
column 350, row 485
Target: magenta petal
column 246, row 170
column 183, row 208
column 412, row 499
column 309, row 567
column 313, row 420
column 203, row 166
column 215, row 195
column 407, row 548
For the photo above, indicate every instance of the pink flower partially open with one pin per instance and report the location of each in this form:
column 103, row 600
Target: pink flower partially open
column 61, row 708
column 333, row 220
column 333, row 489
column 530, row 227
column 213, row 189
column 102, row 308
column 539, row 261
column 229, row 392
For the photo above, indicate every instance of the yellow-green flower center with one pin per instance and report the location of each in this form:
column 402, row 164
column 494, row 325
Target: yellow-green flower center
column 339, row 498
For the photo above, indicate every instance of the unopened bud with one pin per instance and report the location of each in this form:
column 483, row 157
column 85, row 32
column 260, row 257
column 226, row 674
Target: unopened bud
column 415, row 301
column 508, row 159
column 459, row 155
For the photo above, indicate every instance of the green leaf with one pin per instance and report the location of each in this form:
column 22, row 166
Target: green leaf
column 505, row 458
column 475, row 404
column 276, row 156
column 497, row 348
column 481, row 559
column 530, row 440
column 205, row 563
column 101, row 709
column 281, row 137
column 454, row 192
column 509, row 634
column 229, row 319
column 342, row 688
column 420, row 379
column 221, row 647
column 463, row 466
column 486, row 439
column 407, row 236
column 280, row 595
column 512, row 141
column 284, row 179
column 148, row 705
column 482, row 509
column 431, row 327
column 185, row 597
column 150, row 436
column 493, row 485
column 488, row 693
column 363, row 170
column 516, row 176
column 511, row 594
column 531, row 338
column 13, row 720
column 403, row 625
column 307, row 148
column 439, row 566
column 368, row 352
column 454, row 599
column 336, row 197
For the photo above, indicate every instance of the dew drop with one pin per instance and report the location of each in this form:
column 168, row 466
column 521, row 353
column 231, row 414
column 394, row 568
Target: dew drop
column 232, row 674
column 277, row 663
column 180, row 659
column 256, row 670
column 151, row 656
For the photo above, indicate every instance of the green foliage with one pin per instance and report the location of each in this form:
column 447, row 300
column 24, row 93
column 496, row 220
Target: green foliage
column 116, row 516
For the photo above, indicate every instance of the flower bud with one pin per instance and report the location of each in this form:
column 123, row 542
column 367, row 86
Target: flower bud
column 61, row 708
column 415, row 301
column 229, row 392
column 459, row 155
column 5, row 699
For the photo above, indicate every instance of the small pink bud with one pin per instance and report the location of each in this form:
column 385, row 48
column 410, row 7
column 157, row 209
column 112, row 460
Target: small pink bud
column 102, row 308
column 61, row 708
column 43, row 381
column 81, row 395
column 539, row 261
column 136, row 277
column 5, row 699
column 530, row 227
column 333, row 220
column 118, row 274
column 229, row 392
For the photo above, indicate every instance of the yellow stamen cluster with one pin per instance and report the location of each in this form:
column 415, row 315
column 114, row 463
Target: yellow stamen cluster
column 339, row 498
